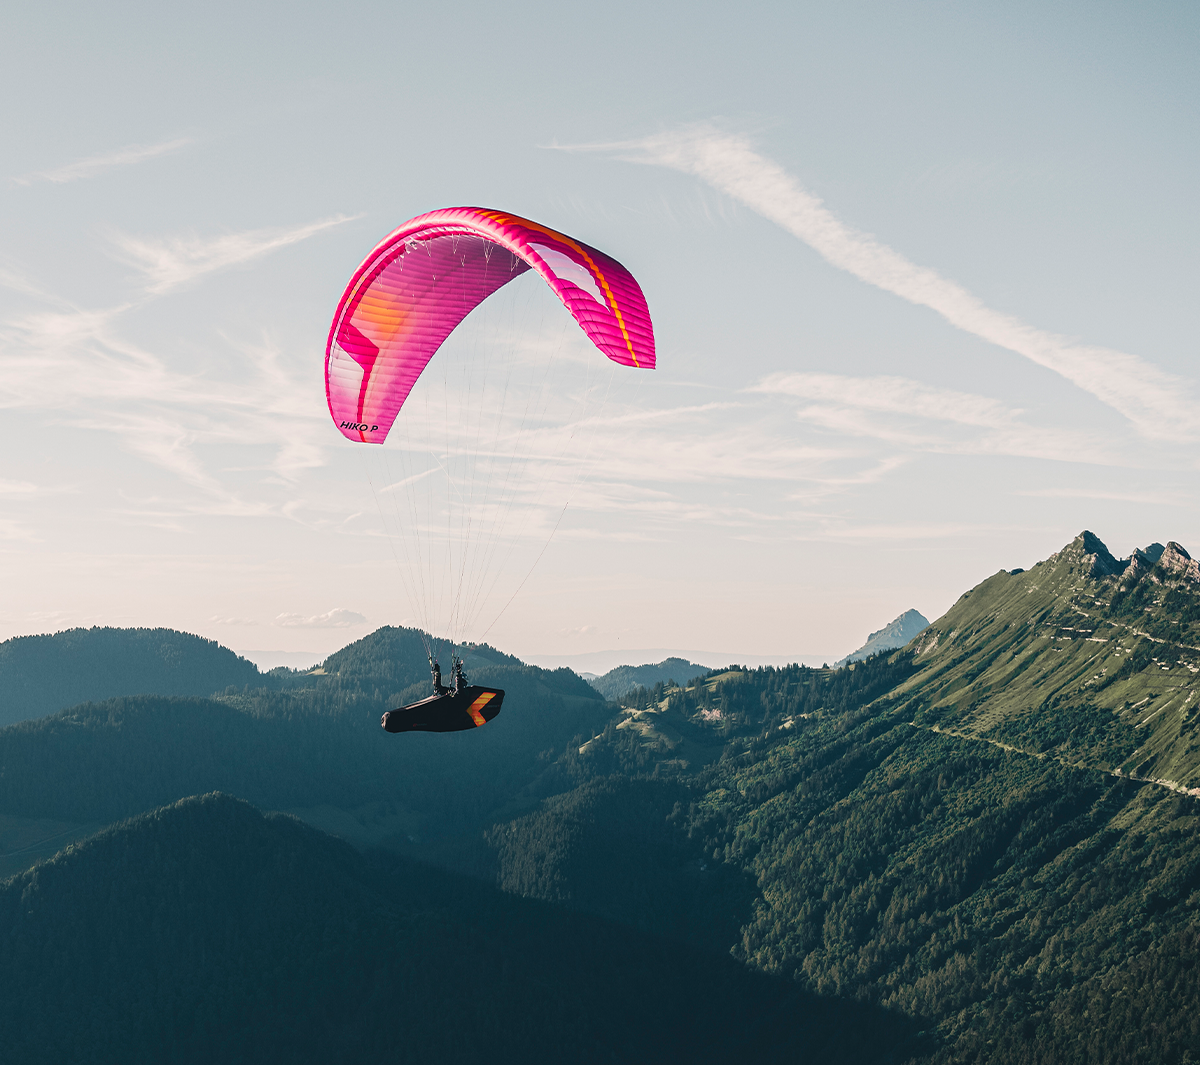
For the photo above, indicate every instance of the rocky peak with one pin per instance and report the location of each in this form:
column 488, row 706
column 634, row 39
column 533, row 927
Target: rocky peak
column 1176, row 560
column 1142, row 562
column 895, row 634
column 1139, row 566
column 1097, row 560
column 1152, row 553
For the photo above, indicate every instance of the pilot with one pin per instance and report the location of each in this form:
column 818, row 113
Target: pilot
column 438, row 687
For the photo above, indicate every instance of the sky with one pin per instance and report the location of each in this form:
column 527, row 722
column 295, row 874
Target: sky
column 923, row 279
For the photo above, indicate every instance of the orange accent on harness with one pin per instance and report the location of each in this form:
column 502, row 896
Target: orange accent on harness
column 478, row 705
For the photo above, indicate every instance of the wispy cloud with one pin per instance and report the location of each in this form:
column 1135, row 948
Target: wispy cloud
column 97, row 164
column 920, row 417
column 16, row 530
column 338, row 618
column 19, row 488
column 167, row 263
column 741, row 463
column 77, row 364
column 896, row 395
column 902, row 531
column 1158, row 403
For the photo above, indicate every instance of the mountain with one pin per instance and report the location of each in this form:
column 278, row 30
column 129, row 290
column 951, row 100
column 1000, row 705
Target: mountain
column 622, row 679
column 206, row 931
column 990, row 836
column 990, row 830
column 597, row 663
column 395, row 657
column 313, row 746
column 894, row 634
column 42, row 674
column 1085, row 658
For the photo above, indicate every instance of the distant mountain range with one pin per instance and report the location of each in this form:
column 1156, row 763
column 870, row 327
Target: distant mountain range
column 894, row 634
column 623, row 679
column 597, row 663
column 616, row 682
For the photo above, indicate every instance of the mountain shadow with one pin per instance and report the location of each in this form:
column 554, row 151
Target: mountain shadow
column 206, row 931
column 285, row 750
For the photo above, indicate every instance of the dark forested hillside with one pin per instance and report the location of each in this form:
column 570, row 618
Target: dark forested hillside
column 207, row 932
column 835, row 844
column 309, row 744
column 42, row 674
column 300, row 749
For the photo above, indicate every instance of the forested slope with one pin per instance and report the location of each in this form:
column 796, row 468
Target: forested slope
column 207, row 932
column 873, row 834
column 315, row 747
column 42, row 674
column 858, row 855
column 623, row 679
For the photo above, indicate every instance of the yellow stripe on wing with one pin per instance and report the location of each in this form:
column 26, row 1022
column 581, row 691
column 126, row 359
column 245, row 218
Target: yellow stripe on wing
column 512, row 220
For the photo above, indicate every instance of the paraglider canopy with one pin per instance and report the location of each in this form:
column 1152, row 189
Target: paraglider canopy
column 425, row 277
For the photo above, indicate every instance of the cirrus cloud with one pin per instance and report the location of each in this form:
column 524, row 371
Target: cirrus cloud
column 167, row 263
column 1159, row 404
column 97, row 164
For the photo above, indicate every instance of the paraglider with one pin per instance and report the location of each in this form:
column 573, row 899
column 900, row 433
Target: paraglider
column 463, row 706
column 454, row 709
column 409, row 295
column 423, row 279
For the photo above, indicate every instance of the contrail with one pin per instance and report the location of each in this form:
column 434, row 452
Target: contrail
column 1159, row 404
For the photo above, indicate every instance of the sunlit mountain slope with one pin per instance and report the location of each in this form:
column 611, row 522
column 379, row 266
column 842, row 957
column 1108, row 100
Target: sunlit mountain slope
column 1083, row 658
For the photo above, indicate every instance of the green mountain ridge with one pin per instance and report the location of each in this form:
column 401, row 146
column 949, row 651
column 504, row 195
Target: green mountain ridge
column 1083, row 658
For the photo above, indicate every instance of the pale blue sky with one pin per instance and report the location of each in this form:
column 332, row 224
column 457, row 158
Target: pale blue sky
column 982, row 340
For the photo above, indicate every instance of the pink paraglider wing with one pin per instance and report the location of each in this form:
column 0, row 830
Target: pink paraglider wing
column 424, row 278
